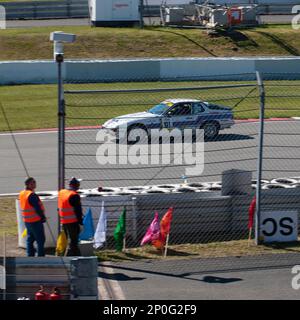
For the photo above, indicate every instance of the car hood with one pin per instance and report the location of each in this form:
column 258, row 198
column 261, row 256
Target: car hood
column 128, row 118
column 138, row 115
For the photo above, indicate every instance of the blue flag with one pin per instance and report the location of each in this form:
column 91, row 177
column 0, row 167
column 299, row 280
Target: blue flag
column 88, row 227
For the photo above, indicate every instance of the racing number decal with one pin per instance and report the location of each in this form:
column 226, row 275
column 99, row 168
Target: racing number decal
column 166, row 123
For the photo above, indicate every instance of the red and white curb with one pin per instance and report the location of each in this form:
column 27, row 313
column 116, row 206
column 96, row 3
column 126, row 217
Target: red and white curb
column 266, row 120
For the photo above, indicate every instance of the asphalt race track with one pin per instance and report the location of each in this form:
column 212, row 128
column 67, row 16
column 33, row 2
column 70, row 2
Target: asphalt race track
column 234, row 148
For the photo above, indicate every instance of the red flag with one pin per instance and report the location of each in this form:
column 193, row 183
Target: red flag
column 251, row 212
column 165, row 226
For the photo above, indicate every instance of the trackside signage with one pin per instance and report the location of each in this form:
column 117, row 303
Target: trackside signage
column 279, row 226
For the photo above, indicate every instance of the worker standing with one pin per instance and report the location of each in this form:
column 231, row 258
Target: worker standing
column 70, row 212
column 33, row 213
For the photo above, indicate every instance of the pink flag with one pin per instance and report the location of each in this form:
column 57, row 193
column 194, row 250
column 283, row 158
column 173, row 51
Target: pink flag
column 153, row 231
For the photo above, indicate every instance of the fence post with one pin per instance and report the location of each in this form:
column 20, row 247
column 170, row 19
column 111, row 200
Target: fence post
column 69, row 4
column 141, row 11
column 260, row 157
column 3, row 276
column 134, row 222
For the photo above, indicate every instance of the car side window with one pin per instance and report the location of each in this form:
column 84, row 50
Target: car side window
column 181, row 109
column 198, row 108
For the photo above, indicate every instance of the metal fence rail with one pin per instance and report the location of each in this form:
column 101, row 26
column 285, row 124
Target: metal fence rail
column 206, row 216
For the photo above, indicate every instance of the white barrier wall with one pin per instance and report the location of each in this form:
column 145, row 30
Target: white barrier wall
column 193, row 68
column 24, row 72
column 51, row 227
column 45, row 72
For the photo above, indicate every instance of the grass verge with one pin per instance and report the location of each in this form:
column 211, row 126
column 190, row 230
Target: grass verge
column 210, row 250
column 109, row 43
column 8, row 216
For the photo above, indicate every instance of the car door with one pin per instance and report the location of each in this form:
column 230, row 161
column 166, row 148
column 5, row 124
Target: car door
column 199, row 113
column 180, row 116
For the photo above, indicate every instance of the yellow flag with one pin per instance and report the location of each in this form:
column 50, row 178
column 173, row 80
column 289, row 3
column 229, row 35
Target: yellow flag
column 24, row 234
column 61, row 244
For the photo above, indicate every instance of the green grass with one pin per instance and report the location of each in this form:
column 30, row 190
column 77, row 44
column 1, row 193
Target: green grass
column 35, row 106
column 108, row 43
column 235, row 248
column 8, row 216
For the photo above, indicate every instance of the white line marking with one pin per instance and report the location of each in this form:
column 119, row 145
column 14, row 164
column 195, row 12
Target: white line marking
column 102, row 291
column 114, row 284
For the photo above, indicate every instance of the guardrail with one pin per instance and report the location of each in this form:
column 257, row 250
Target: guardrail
column 46, row 9
column 80, row 9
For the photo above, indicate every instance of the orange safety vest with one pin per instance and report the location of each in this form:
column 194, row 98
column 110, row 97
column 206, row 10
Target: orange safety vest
column 28, row 212
column 65, row 210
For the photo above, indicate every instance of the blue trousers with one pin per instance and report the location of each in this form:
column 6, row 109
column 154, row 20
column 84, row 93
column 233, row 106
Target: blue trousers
column 35, row 232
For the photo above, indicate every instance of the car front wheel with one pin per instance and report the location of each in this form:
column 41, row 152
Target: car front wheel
column 137, row 134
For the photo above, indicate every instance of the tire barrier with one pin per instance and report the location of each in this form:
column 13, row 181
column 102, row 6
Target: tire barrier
column 215, row 187
column 199, row 185
column 269, row 186
column 182, row 188
column 185, row 189
column 285, row 181
column 166, row 186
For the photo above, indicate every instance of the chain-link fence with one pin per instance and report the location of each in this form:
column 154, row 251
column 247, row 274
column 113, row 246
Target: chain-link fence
column 209, row 219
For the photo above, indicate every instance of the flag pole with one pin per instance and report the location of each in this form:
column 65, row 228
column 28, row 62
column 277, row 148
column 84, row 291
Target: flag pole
column 124, row 243
column 166, row 247
column 249, row 237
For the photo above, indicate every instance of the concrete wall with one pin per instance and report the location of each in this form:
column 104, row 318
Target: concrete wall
column 45, row 72
column 26, row 72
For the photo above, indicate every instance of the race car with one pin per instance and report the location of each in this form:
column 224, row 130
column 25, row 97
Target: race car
column 177, row 113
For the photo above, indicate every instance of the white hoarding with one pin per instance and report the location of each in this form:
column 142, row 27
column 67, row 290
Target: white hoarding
column 279, row 226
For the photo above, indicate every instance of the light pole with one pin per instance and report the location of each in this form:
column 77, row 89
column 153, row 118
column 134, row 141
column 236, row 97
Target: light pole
column 260, row 157
column 59, row 38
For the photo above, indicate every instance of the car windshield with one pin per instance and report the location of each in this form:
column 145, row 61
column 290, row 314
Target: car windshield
column 159, row 108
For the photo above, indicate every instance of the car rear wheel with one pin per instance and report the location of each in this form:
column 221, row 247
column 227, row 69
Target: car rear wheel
column 211, row 130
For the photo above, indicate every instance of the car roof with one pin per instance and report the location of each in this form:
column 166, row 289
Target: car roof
column 180, row 100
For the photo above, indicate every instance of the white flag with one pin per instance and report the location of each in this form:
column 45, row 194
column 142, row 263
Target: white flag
column 100, row 234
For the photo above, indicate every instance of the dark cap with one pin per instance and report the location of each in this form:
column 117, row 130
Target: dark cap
column 74, row 181
column 29, row 180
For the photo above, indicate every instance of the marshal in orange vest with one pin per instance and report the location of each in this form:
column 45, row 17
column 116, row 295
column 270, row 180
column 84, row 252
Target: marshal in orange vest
column 65, row 210
column 28, row 212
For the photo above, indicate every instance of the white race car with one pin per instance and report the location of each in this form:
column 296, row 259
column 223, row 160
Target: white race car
column 177, row 113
